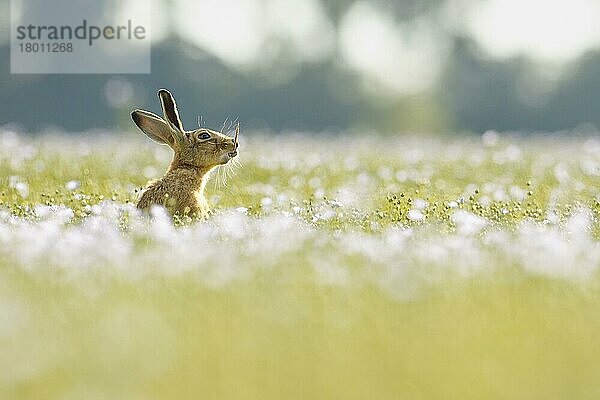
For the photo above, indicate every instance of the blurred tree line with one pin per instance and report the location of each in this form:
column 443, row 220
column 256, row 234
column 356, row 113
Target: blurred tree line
column 474, row 92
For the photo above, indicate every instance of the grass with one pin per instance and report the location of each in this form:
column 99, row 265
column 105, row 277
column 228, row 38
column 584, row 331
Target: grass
column 332, row 267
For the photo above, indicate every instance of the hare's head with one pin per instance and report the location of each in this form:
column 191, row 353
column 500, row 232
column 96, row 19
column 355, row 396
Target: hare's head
column 202, row 148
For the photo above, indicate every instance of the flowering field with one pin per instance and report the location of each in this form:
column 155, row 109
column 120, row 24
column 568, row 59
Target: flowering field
column 331, row 268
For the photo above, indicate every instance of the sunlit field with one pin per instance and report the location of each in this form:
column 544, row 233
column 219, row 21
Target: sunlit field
column 331, row 267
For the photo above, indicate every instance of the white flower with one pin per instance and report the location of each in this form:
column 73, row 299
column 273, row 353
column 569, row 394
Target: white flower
column 22, row 189
column 415, row 215
column 420, row 204
column 467, row 223
column 72, row 185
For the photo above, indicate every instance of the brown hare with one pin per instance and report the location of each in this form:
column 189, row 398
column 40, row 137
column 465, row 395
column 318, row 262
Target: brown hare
column 196, row 153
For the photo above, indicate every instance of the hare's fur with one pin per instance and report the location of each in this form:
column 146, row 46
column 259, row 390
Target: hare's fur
column 196, row 153
column 180, row 191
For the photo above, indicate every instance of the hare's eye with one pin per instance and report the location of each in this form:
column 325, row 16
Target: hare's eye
column 203, row 136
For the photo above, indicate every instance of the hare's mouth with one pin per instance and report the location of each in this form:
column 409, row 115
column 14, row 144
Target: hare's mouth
column 232, row 154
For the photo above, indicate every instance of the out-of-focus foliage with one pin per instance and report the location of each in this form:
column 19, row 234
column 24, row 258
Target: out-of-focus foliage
column 473, row 91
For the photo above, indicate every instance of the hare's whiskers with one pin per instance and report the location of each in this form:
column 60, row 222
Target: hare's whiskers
column 216, row 178
column 224, row 124
column 237, row 162
column 224, row 177
column 229, row 171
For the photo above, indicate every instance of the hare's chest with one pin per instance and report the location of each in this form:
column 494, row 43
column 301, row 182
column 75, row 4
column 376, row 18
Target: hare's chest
column 189, row 203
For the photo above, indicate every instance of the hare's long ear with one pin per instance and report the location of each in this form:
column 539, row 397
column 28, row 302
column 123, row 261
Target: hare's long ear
column 154, row 127
column 170, row 109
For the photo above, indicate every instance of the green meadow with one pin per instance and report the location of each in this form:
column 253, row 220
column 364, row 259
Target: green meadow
column 331, row 267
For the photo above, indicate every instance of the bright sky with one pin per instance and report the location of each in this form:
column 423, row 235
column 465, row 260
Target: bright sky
column 236, row 31
column 391, row 56
column 547, row 30
column 401, row 58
